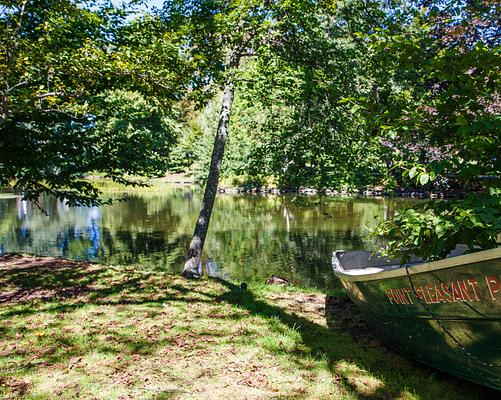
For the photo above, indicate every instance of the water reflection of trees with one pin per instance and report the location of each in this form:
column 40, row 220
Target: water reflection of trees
column 250, row 237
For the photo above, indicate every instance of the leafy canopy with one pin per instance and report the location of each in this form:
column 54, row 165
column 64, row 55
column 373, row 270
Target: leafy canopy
column 84, row 90
column 447, row 113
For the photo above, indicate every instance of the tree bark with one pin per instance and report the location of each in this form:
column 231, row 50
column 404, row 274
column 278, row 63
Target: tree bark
column 192, row 266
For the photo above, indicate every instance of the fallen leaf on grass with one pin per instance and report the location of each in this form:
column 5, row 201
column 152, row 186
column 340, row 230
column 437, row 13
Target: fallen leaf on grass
column 258, row 382
column 20, row 386
column 74, row 361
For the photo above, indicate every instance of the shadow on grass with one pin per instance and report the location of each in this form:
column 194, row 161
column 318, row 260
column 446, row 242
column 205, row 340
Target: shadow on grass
column 357, row 346
column 37, row 278
column 54, row 287
column 65, row 285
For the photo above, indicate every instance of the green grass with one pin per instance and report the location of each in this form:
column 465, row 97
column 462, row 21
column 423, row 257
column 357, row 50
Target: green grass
column 75, row 330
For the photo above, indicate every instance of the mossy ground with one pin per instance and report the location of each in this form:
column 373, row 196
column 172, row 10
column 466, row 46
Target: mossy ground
column 73, row 330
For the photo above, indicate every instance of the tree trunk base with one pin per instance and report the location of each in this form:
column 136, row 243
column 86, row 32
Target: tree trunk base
column 192, row 268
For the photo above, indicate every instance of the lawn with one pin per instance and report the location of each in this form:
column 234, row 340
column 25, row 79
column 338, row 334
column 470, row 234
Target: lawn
column 73, row 330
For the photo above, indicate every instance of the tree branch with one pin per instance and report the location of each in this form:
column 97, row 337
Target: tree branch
column 51, row 94
column 19, row 84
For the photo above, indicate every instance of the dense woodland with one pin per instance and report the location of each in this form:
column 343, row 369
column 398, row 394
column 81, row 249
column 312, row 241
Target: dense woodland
column 332, row 94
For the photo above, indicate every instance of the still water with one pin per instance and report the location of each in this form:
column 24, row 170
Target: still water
column 250, row 236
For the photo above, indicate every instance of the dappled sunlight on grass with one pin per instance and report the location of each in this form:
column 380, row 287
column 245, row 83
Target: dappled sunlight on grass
column 76, row 330
column 359, row 379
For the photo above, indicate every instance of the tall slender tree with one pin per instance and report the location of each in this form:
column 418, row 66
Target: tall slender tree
column 220, row 36
column 192, row 265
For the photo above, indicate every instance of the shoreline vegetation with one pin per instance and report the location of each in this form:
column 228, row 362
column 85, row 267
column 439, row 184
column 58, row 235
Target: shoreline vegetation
column 229, row 186
column 74, row 329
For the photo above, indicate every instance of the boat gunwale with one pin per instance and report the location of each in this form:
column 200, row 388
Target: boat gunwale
column 472, row 258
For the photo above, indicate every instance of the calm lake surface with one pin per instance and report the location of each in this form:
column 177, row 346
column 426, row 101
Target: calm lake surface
column 250, row 238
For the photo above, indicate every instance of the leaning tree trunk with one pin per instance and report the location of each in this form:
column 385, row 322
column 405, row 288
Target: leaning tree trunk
column 192, row 266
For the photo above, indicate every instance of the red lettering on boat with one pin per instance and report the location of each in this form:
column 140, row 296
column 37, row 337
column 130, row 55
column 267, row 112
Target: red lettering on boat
column 457, row 296
column 408, row 291
column 403, row 296
column 493, row 285
column 427, row 298
column 419, row 292
column 447, row 291
column 465, row 292
column 439, row 295
column 396, row 296
column 429, row 289
column 474, row 283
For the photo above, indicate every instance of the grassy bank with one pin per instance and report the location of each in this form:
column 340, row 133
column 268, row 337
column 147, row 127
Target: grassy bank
column 77, row 330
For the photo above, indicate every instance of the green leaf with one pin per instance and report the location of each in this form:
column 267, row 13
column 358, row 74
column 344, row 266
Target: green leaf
column 424, row 178
column 440, row 230
column 355, row 108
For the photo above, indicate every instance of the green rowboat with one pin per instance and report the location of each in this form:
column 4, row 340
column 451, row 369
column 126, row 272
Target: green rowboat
column 446, row 313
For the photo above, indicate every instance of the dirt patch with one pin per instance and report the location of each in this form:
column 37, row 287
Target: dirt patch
column 311, row 306
column 41, row 278
column 17, row 386
column 23, row 296
column 20, row 261
column 15, row 260
column 343, row 315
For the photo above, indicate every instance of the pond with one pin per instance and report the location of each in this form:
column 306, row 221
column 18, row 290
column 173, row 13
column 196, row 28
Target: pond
column 250, row 237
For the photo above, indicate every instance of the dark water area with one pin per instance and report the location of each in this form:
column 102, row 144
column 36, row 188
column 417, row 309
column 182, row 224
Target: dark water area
column 250, row 238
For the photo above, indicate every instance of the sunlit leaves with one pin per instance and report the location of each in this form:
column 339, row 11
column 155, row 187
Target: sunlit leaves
column 433, row 230
column 85, row 89
column 439, row 120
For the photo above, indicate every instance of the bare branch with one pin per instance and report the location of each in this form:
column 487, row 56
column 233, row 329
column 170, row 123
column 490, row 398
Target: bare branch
column 21, row 15
column 17, row 85
column 51, row 94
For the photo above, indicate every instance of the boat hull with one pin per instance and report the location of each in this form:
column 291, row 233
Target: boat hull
column 442, row 314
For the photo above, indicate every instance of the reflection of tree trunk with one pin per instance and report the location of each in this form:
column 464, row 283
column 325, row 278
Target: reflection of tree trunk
column 192, row 265
column 350, row 207
column 287, row 221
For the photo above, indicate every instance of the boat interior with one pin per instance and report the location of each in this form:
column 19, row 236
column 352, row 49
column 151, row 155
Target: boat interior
column 361, row 262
